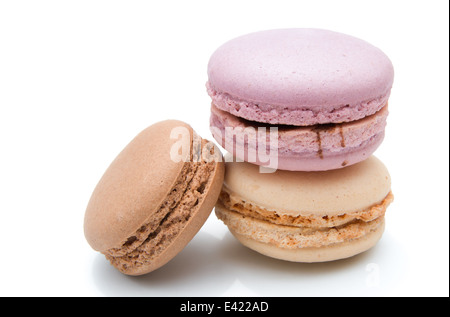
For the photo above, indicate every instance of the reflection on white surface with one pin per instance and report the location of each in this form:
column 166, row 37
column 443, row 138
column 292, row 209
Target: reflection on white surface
column 238, row 289
column 210, row 266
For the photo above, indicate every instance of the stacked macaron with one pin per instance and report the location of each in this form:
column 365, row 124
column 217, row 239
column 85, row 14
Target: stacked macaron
column 313, row 105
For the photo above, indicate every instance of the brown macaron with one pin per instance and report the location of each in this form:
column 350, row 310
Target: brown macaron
column 154, row 197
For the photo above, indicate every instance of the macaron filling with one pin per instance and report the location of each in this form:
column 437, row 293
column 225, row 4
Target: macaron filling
column 288, row 237
column 299, row 116
column 313, row 148
column 152, row 238
column 302, row 219
column 315, row 140
column 303, row 231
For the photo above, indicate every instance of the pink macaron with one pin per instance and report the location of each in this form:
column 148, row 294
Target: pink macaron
column 299, row 99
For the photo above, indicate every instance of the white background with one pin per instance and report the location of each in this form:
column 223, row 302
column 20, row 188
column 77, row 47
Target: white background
column 79, row 79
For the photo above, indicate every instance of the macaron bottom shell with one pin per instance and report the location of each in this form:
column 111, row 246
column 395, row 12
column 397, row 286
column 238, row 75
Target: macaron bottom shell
column 310, row 162
column 313, row 255
column 314, row 148
column 302, row 244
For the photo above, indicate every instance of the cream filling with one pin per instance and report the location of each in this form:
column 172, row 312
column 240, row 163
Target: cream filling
column 289, row 237
column 289, row 232
column 237, row 204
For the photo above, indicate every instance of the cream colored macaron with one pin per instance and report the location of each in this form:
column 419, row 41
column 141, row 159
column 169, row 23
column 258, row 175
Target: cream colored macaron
column 306, row 216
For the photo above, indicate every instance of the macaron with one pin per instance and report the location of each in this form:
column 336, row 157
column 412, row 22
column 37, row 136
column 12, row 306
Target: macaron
column 326, row 93
column 306, row 216
column 154, row 197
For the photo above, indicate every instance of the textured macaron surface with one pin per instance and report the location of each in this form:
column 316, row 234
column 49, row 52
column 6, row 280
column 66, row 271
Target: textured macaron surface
column 299, row 77
column 154, row 197
column 328, row 193
column 308, row 148
column 133, row 187
column 291, row 237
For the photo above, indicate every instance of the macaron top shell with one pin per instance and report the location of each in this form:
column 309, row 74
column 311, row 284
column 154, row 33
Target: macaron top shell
column 329, row 193
column 299, row 77
column 134, row 186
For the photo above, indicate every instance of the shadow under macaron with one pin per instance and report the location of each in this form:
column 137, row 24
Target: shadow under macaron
column 372, row 273
column 210, row 266
column 195, row 271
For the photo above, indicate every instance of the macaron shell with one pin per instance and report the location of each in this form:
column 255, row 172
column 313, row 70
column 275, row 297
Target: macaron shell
column 133, row 187
column 327, row 162
column 335, row 192
column 291, row 237
column 311, row 255
column 315, row 148
column 199, row 215
column 299, row 77
column 236, row 213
